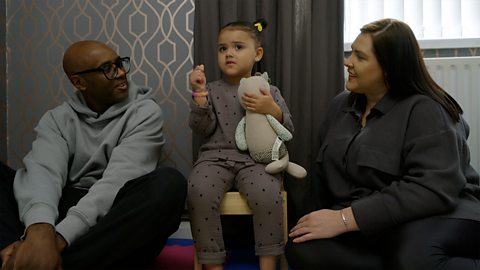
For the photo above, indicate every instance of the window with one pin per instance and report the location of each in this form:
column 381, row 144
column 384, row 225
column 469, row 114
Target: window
column 436, row 23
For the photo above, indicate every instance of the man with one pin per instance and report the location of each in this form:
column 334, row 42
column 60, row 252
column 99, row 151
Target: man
column 90, row 196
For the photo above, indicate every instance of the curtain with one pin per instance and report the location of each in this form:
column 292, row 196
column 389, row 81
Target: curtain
column 303, row 45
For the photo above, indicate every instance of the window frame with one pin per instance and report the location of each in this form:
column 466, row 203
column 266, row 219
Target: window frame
column 446, row 43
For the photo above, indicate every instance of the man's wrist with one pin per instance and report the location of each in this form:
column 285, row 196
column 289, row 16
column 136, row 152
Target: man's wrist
column 40, row 229
column 61, row 242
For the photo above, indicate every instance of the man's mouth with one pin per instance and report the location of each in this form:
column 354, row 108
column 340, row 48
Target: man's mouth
column 122, row 86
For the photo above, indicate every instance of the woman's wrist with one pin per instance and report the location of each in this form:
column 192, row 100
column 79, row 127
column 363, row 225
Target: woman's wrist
column 348, row 219
column 344, row 220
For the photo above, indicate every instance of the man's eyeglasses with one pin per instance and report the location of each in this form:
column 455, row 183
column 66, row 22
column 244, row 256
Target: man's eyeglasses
column 110, row 70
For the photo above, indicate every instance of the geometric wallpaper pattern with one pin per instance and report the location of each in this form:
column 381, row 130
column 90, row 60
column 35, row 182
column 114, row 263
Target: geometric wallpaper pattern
column 157, row 35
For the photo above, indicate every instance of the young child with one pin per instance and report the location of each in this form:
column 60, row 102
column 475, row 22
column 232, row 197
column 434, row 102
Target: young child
column 215, row 113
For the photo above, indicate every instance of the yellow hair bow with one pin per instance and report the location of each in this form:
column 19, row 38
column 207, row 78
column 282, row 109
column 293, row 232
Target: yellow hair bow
column 259, row 26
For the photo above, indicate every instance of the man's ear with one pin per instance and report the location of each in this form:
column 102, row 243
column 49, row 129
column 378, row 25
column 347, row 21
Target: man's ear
column 258, row 54
column 78, row 82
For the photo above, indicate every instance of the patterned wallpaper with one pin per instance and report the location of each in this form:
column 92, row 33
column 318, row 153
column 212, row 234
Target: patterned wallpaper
column 157, row 35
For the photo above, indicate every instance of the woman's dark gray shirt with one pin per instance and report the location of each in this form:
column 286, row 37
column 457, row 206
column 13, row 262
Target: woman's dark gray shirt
column 411, row 160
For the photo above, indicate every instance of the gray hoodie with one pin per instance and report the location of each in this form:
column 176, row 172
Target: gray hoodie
column 76, row 146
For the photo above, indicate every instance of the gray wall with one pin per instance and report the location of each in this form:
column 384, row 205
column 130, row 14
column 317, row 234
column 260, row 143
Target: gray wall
column 157, row 35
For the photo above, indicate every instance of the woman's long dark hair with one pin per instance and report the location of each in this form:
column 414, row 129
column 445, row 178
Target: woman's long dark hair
column 399, row 55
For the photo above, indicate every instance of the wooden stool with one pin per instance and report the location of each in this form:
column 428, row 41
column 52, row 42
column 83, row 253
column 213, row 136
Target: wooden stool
column 234, row 203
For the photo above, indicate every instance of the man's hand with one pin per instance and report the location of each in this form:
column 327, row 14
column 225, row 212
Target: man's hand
column 7, row 255
column 61, row 243
column 39, row 250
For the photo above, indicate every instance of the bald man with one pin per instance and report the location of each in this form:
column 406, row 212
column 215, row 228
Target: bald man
column 91, row 194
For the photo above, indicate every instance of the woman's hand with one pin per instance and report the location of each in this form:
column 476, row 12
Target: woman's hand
column 322, row 224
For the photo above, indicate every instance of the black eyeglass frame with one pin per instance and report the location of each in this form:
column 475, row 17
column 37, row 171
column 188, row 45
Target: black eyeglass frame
column 119, row 63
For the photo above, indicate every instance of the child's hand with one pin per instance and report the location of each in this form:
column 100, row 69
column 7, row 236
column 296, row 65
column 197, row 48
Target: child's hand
column 262, row 103
column 197, row 79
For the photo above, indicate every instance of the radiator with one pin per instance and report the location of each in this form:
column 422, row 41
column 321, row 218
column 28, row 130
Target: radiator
column 460, row 77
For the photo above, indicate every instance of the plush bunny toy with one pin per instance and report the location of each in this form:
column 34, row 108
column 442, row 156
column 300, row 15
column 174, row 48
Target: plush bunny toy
column 263, row 135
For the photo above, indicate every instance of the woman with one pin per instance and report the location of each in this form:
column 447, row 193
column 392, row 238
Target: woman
column 395, row 188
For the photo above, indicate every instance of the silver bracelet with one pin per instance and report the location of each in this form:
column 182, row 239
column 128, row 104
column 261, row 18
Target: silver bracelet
column 344, row 219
